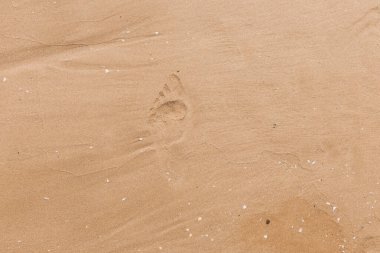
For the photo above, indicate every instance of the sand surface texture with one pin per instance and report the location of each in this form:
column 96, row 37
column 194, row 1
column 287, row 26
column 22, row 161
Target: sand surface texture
column 190, row 126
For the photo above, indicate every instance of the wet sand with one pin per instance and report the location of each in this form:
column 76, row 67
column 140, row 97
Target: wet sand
column 189, row 126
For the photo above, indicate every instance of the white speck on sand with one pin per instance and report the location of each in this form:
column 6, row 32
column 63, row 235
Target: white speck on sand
column 106, row 71
column 4, row 79
column 199, row 218
column 46, row 198
column 265, row 236
column 160, row 248
column 91, row 147
column 334, row 208
column 244, row 206
column 107, row 180
column 140, row 139
column 156, row 33
column 19, row 241
column 300, row 230
column 187, row 229
column 338, row 219
column 190, row 235
column 124, row 199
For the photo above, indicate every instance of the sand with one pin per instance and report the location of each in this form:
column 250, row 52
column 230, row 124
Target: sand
column 189, row 126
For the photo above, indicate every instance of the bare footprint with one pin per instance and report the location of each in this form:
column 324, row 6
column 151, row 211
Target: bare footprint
column 170, row 114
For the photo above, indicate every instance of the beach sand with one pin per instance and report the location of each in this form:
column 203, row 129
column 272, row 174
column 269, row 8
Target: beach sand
column 189, row 126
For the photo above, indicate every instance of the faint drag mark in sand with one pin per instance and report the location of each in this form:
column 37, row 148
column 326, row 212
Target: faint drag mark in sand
column 360, row 40
column 297, row 226
column 43, row 52
column 364, row 31
column 368, row 24
column 289, row 160
column 170, row 116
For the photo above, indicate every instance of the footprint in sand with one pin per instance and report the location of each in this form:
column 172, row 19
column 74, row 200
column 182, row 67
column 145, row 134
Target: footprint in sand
column 170, row 114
